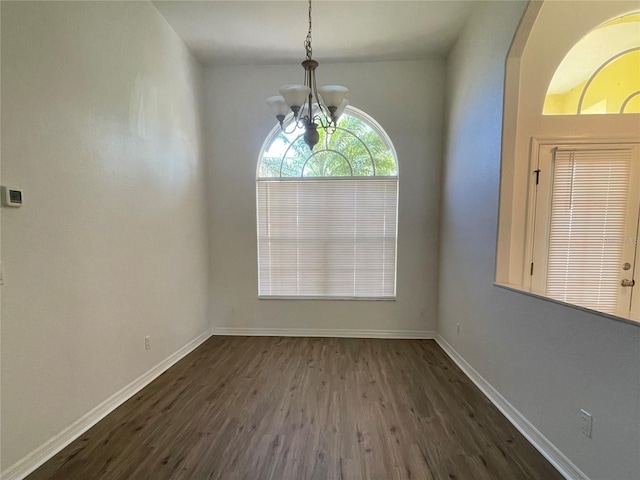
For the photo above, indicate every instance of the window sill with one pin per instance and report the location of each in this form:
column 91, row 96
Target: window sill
column 280, row 297
column 518, row 289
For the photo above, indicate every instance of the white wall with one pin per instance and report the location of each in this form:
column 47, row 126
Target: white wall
column 547, row 360
column 406, row 98
column 100, row 126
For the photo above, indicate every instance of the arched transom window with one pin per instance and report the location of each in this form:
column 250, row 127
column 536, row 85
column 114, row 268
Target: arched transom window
column 601, row 73
column 327, row 218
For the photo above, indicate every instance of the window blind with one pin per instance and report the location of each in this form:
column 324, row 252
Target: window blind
column 329, row 237
column 587, row 230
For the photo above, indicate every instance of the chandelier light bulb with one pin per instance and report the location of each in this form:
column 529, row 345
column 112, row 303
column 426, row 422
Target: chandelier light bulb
column 279, row 107
column 340, row 110
column 295, row 95
column 305, row 110
column 333, row 95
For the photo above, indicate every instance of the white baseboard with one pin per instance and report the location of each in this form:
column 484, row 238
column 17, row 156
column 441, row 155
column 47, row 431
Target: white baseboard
column 39, row 456
column 321, row 332
column 526, row 428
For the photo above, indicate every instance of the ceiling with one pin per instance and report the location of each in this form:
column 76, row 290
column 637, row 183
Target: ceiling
column 269, row 32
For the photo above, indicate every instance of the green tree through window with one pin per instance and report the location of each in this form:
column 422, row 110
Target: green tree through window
column 353, row 149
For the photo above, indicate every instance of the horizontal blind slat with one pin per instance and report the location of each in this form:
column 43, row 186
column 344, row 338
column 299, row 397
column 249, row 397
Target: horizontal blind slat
column 327, row 238
column 588, row 218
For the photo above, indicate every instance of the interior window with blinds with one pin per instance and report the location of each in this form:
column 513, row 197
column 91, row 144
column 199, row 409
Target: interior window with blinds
column 590, row 222
column 327, row 218
column 587, row 232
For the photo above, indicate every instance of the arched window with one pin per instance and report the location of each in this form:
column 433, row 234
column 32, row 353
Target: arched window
column 327, row 218
column 601, row 73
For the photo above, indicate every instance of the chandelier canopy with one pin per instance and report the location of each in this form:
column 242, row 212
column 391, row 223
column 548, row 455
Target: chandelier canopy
column 307, row 105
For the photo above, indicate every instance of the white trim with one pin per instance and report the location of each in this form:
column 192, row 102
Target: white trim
column 580, row 140
column 311, row 297
column 519, row 289
column 327, row 179
column 46, row 451
column 321, row 332
column 526, row 428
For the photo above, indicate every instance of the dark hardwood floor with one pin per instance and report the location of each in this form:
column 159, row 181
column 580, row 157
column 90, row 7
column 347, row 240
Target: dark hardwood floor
column 256, row 408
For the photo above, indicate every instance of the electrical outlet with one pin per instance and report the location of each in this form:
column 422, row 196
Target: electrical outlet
column 587, row 422
column 458, row 328
column 147, row 342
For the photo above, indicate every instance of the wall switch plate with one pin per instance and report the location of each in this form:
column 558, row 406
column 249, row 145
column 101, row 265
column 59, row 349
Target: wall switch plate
column 147, row 342
column 458, row 328
column 587, row 422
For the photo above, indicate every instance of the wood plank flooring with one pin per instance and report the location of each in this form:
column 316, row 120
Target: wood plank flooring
column 255, row 408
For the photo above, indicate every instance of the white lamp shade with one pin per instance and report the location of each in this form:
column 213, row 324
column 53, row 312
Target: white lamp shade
column 332, row 95
column 278, row 105
column 305, row 109
column 341, row 108
column 295, row 95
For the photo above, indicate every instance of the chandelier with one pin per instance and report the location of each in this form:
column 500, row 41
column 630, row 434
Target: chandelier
column 308, row 105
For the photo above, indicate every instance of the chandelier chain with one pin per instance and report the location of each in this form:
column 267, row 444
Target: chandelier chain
column 307, row 42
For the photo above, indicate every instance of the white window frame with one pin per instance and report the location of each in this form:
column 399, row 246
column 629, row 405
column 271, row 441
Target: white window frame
column 539, row 207
column 362, row 116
